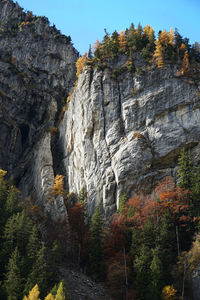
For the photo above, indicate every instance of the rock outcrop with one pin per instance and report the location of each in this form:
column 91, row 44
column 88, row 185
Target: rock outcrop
column 123, row 135
column 38, row 70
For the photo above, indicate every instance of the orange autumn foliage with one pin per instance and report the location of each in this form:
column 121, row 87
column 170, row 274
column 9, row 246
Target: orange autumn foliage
column 171, row 196
column 166, row 196
column 77, row 221
column 115, row 241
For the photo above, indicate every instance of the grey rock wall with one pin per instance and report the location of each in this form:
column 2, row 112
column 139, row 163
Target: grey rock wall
column 124, row 135
column 37, row 71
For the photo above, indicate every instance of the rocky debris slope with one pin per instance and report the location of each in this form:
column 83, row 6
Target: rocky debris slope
column 37, row 66
column 123, row 135
column 81, row 287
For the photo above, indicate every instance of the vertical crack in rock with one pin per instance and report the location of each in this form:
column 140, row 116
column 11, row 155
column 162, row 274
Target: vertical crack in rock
column 122, row 127
column 110, row 156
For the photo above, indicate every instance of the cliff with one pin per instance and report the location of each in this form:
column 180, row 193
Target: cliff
column 37, row 72
column 124, row 134
column 122, row 131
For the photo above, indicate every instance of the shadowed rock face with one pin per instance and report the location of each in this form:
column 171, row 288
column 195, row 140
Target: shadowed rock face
column 37, row 71
column 124, row 135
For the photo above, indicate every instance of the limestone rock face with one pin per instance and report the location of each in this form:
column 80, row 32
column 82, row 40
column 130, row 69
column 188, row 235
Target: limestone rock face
column 43, row 182
column 124, row 135
column 37, row 71
column 119, row 134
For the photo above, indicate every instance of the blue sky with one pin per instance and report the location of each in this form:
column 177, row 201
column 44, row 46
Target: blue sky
column 85, row 20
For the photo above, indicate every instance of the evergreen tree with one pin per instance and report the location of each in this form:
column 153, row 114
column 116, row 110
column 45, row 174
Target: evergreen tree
column 115, row 41
column 53, row 261
column 90, row 52
column 195, row 189
column 16, row 233
column 3, row 197
column 122, row 201
column 184, row 172
column 156, row 276
column 33, row 244
column 141, row 265
column 12, row 201
column 39, row 272
column 82, row 195
column 97, row 239
column 13, row 281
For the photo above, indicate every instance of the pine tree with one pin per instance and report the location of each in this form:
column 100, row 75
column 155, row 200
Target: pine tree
column 184, row 172
column 97, row 239
column 90, row 52
column 82, row 195
column 141, row 265
column 107, row 45
column 39, row 272
column 13, row 281
column 156, row 276
column 115, row 43
column 16, row 232
column 122, row 202
column 53, row 261
column 33, row 244
column 3, row 197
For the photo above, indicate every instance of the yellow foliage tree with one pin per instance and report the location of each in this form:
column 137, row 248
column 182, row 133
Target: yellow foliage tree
column 194, row 254
column 58, row 188
column 158, row 54
column 2, row 173
column 197, row 47
column 49, row 297
column 60, row 295
column 33, row 294
column 171, row 37
column 182, row 47
column 80, row 64
column 169, row 293
column 164, row 38
column 148, row 30
column 122, row 41
column 185, row 63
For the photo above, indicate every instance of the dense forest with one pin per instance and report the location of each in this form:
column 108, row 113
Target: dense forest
column 27, row 262
column 148, row 249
